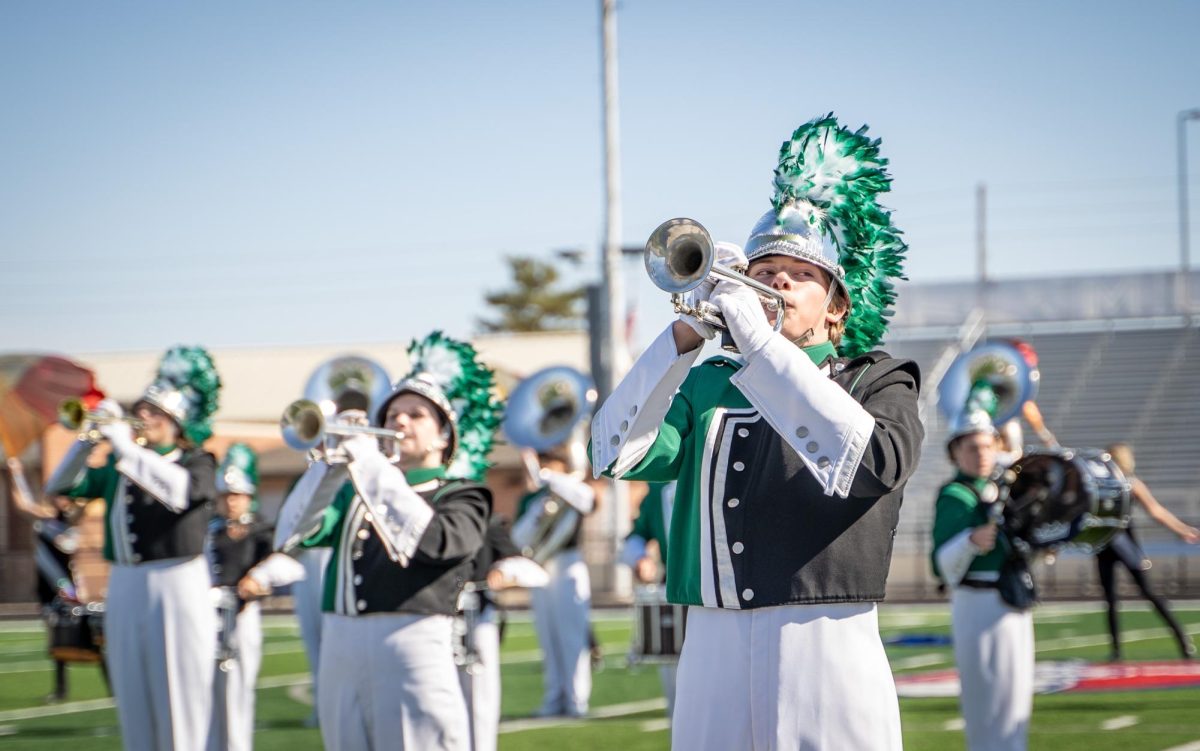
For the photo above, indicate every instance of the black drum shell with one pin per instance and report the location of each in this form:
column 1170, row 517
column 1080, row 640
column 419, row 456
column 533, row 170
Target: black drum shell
column 1076, row 498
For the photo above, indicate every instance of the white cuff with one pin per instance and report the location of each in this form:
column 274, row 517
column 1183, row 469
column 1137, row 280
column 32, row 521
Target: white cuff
column 626, row 425
column 954, row 557
column 399, row 515
column 277, row 570
column 825, row 426
column 302, row 509
column 521, row 572
column 70, row 470
column 163, row 479
column 633, row 550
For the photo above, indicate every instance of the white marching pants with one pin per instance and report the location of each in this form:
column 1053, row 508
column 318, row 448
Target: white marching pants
column 388, row 681
column 560, row 615
column 160, row 642
column 666, row 674
column 306, row 602
column 481, row 685
column 993, row 648
column 233, row 690
column 811, row 677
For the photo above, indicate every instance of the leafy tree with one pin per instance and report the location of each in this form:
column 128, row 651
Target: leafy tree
column 533, row 303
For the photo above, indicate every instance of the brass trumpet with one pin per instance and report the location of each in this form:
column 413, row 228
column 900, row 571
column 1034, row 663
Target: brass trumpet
column 73, row 414
column 680, row 256
column 305, row 428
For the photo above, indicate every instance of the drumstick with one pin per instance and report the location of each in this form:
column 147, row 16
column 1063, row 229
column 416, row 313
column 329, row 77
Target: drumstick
column 1033, row 416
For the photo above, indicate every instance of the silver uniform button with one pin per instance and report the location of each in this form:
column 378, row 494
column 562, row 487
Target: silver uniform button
column 362, row 604
column 747, row 594
column 356, row 555
column 615, row 440
column 732, row 502
column 742, row 432
column 738, row 547
column 363, row 534
column 823, row 462
column 802, row 432
column 624, row 425
column 357, row 579
column 368, row 518
column 135, row 558
column 633, row 410
column 812, row 447
column 738, row 466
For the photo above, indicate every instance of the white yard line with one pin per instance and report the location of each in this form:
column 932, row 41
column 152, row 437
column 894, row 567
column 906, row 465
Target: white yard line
column 597, row 713
column 1117, row 723
column 957, row 723
column 1193, row 746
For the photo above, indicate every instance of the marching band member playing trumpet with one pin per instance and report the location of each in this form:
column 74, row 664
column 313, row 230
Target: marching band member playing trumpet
column 404, row 537
column 160, row 629
column 245, row 569
column 791, row 462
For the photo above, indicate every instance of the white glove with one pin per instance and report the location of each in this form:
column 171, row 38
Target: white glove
column 728, row 255
column 361, row 446
column 575, row 492
column 119, row 434
column 745, row 317
column 109, row 407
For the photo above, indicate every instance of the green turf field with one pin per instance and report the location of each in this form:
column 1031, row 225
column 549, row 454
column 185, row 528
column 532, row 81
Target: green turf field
column 627, row 704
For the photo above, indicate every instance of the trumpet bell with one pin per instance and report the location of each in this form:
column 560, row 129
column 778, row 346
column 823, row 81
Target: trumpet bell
column 679, row 255
column 302, row 425
column 72, row 413
column 544, row 409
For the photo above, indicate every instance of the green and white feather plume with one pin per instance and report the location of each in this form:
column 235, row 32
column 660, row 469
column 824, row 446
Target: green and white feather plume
column 187, row 387
column 468, row 385
column 830, row 178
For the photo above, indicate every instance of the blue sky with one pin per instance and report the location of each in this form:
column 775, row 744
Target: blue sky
column 245, row 174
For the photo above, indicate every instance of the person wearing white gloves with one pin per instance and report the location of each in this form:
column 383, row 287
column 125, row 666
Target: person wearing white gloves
column 160, row 627
column 791, row 461
column 404, row 538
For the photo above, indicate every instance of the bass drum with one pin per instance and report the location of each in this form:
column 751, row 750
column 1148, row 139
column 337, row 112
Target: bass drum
column 1073, row 499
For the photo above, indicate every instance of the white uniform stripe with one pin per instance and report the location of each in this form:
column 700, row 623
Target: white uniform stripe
column 728, row 582
column 708, row 586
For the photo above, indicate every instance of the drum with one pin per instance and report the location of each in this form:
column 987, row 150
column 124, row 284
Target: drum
column 659, row 626
column 76, row 631
column 1074, row 499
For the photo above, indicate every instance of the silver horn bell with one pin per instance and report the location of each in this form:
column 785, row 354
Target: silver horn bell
column 680, row 256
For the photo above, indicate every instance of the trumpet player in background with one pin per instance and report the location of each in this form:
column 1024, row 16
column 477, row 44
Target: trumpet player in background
column 160, row 628
column 245, row 569
column 791, row 462
column 405, row 523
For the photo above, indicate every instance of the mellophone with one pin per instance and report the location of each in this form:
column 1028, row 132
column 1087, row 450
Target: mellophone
column 76, row 630
column 659, row 626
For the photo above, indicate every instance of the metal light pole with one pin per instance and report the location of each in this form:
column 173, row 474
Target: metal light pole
column 614, row 352
column 1182, row 284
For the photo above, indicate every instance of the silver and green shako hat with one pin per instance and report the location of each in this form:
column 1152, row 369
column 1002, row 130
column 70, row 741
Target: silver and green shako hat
column 238, row 472
column 448, row 373
column 186, row 387
column 824, row 211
